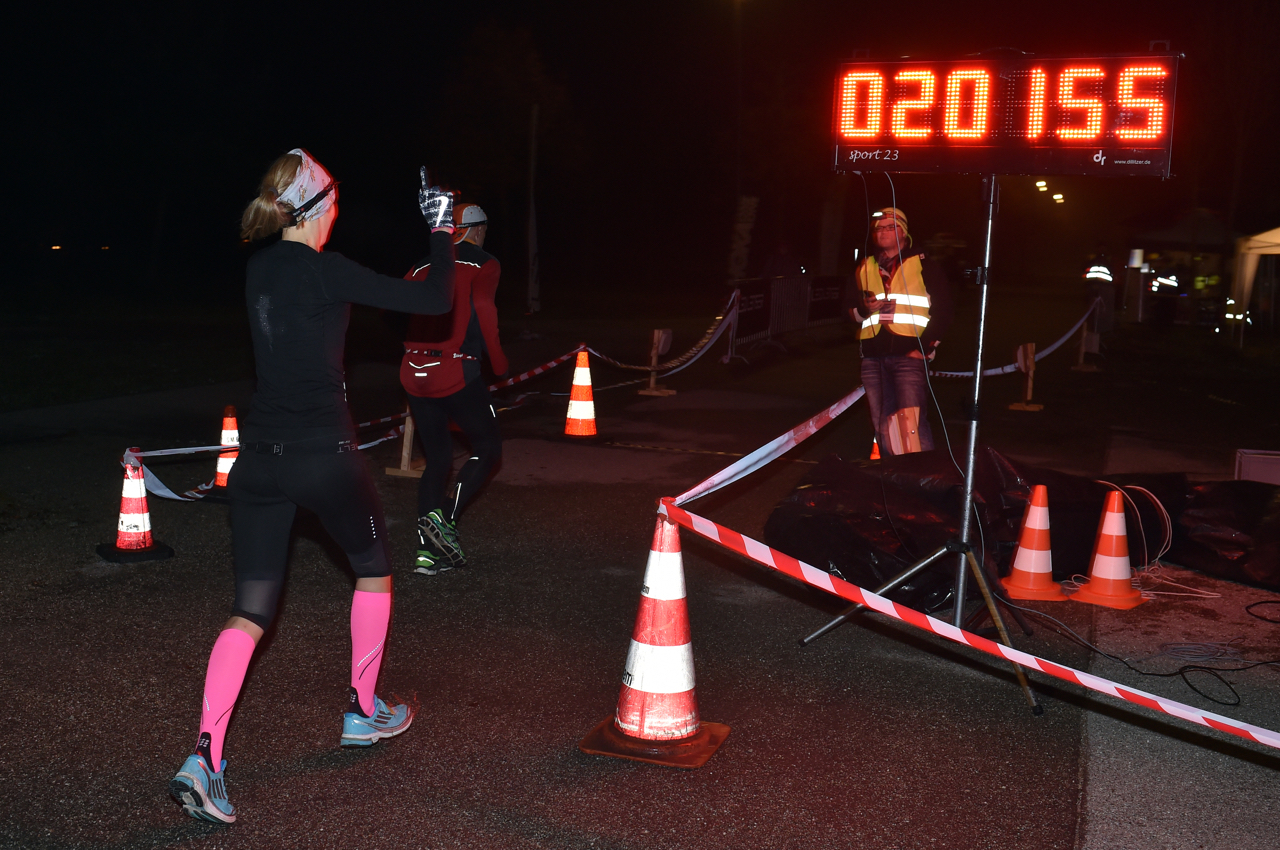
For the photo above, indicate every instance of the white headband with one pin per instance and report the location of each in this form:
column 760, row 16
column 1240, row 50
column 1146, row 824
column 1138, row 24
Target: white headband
column 310, row 181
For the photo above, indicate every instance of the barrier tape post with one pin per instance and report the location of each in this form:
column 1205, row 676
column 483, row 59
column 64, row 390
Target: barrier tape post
column 660, row 345
column 810, row 575
column 1026, row 359
column 405, row 469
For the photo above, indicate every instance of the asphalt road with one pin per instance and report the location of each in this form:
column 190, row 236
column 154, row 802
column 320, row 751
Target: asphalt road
column 874, row 737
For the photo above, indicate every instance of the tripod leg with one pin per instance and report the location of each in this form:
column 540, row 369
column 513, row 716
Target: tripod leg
column 1036, row 708
column 898, row 580
column 980, row 614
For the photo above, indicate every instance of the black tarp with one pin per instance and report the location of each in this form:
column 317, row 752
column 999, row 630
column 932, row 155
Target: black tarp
column 870, row 520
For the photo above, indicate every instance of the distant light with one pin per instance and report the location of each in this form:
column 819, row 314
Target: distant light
column 1215, row 330
column 1099, row 273
column 1040, row 183
column 106, row 247
column 1044, row 188
column 1231, row 300
column 1171, row 280
column 55, row 247
column 1057, row 197
column 1057, row 200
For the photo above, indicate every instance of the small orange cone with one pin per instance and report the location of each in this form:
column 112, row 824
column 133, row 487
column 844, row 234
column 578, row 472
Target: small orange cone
column 657, row 717
column 1032, row 575
column 1109, row 574
column 875, row 450
column 230, row 437
column 133, row 532
column 581, row 419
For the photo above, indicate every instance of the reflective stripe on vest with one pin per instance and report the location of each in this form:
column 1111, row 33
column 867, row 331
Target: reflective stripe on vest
column 906, row 291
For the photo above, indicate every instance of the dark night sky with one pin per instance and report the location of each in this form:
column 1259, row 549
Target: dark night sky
column 148, row 130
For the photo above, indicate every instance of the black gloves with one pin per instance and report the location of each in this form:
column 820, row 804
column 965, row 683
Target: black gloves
column 436, row 204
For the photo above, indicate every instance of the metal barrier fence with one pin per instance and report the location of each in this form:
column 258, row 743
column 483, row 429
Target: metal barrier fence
column 768, row 309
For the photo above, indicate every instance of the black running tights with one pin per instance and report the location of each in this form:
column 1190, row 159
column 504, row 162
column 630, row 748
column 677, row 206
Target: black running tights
column 267, row 490
column 471, row 408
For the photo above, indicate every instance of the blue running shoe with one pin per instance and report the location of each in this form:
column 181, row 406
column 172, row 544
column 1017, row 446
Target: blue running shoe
column 202, row 792
column 361, row 731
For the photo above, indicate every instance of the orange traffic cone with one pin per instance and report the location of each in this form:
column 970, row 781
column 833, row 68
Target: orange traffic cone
column 1109, row 574
column 657, row 717
column 875, row 450
column 1032, row 575
column 581, row 420
column 230, row 437
column 133, row 532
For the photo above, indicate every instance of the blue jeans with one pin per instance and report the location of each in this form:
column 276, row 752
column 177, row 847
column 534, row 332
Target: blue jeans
column 896, row 383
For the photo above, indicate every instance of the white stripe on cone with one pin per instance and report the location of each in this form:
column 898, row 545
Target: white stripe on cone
column 134, row 523
column 1112, row 567
column 134, row 488
column 581, row 409
column 659, row 669
column 664, row 576
column 1113, row 524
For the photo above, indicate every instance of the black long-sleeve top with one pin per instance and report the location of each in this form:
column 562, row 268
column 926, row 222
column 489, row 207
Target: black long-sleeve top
column 299, row 304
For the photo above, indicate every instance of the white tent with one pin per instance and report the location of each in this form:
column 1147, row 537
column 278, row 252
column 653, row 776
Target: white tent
column 1248, row 250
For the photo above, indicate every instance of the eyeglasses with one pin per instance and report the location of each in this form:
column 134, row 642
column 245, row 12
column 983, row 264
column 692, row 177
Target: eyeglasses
column 880, row 227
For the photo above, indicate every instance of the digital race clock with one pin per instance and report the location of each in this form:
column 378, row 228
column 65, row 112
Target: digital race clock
column 1100, row 115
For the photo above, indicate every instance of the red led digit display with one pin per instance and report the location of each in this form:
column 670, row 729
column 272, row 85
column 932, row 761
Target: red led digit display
column 907, row 108
column 1025, row 115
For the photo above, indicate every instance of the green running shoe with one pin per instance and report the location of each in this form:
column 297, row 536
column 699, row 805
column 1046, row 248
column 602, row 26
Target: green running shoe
column 443, row 536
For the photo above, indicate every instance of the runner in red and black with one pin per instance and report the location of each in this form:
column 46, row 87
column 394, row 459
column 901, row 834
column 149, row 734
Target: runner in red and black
column 441, row 372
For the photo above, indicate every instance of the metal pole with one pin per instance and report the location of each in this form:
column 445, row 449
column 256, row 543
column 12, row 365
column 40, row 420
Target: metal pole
column 534, row 295
column 990, row 191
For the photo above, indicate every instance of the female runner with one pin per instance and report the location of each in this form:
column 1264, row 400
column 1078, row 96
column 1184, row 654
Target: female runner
column 298, row 448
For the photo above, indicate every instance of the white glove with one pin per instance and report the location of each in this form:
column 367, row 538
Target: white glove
column 436, row 204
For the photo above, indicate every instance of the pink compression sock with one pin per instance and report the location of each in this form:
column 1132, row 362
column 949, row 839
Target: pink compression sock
column 228, row 662
column 370, row 616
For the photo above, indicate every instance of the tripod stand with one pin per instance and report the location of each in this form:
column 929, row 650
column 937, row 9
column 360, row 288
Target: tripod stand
column 962, row 547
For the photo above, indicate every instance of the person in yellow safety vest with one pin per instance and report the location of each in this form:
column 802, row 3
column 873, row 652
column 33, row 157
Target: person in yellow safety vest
column 905, row 306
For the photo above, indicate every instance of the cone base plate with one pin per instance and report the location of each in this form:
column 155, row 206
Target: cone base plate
column 1052, row 593
column 688, row 753
column 154, row 552
column 1122, row 603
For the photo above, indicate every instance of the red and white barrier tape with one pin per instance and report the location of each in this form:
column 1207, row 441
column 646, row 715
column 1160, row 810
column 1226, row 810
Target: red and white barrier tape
column 822, row 580
column 158, row 488
column 769, row 451
column 524, row 376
